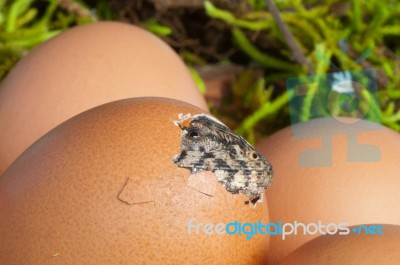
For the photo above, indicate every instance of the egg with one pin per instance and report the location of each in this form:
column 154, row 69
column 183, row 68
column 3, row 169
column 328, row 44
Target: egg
column 352, row 249
column 102, row 188
column 84, row 67
column 331, row 171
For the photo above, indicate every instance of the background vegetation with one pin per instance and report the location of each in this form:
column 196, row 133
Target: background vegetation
column 244, row 45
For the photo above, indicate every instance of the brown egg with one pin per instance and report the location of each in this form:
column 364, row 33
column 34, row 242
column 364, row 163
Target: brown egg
column 101, row 188
column 82, row 68
column 353, row 249
column 316, row 180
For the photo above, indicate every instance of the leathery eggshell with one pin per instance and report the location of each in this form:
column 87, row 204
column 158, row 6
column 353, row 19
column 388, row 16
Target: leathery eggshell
column 101, row 188
column 352, row 249
column 80, row 69
column 344, row 192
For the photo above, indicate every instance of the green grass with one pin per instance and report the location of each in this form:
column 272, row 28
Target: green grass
column 25, row 24
column 371, row 28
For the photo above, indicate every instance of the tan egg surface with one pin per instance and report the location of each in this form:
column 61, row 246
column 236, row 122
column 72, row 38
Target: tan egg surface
column 352, row 249
column 331, row 171
column 82, row 68
column 101, row 188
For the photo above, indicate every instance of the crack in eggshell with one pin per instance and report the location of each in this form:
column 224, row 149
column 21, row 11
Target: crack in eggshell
column 183, row 120
column 136, row 191
column 202, row 182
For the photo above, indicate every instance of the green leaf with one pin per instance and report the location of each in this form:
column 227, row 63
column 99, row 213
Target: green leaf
column 16, row 9
column 198, row 80
column 155, row 27
column 264, row 59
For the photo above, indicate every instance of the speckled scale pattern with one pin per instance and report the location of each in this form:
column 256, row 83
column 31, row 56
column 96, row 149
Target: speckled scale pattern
column 207, row 144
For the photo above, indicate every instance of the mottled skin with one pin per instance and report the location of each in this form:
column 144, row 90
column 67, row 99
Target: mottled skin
column 207, row 144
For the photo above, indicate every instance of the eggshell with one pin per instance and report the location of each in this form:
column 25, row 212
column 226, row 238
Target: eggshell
column 353, row 249
column 101, row 188
column 82, row 68
column 345, row 192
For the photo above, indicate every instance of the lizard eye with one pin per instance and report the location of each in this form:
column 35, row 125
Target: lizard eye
column 254, row 155
column 193, row 134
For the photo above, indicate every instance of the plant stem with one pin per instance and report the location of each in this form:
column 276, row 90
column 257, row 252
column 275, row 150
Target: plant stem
column 289, row 38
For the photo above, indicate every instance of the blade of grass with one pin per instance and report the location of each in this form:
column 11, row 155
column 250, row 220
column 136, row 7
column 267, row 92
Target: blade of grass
column 263, row 59
column 266, row 109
